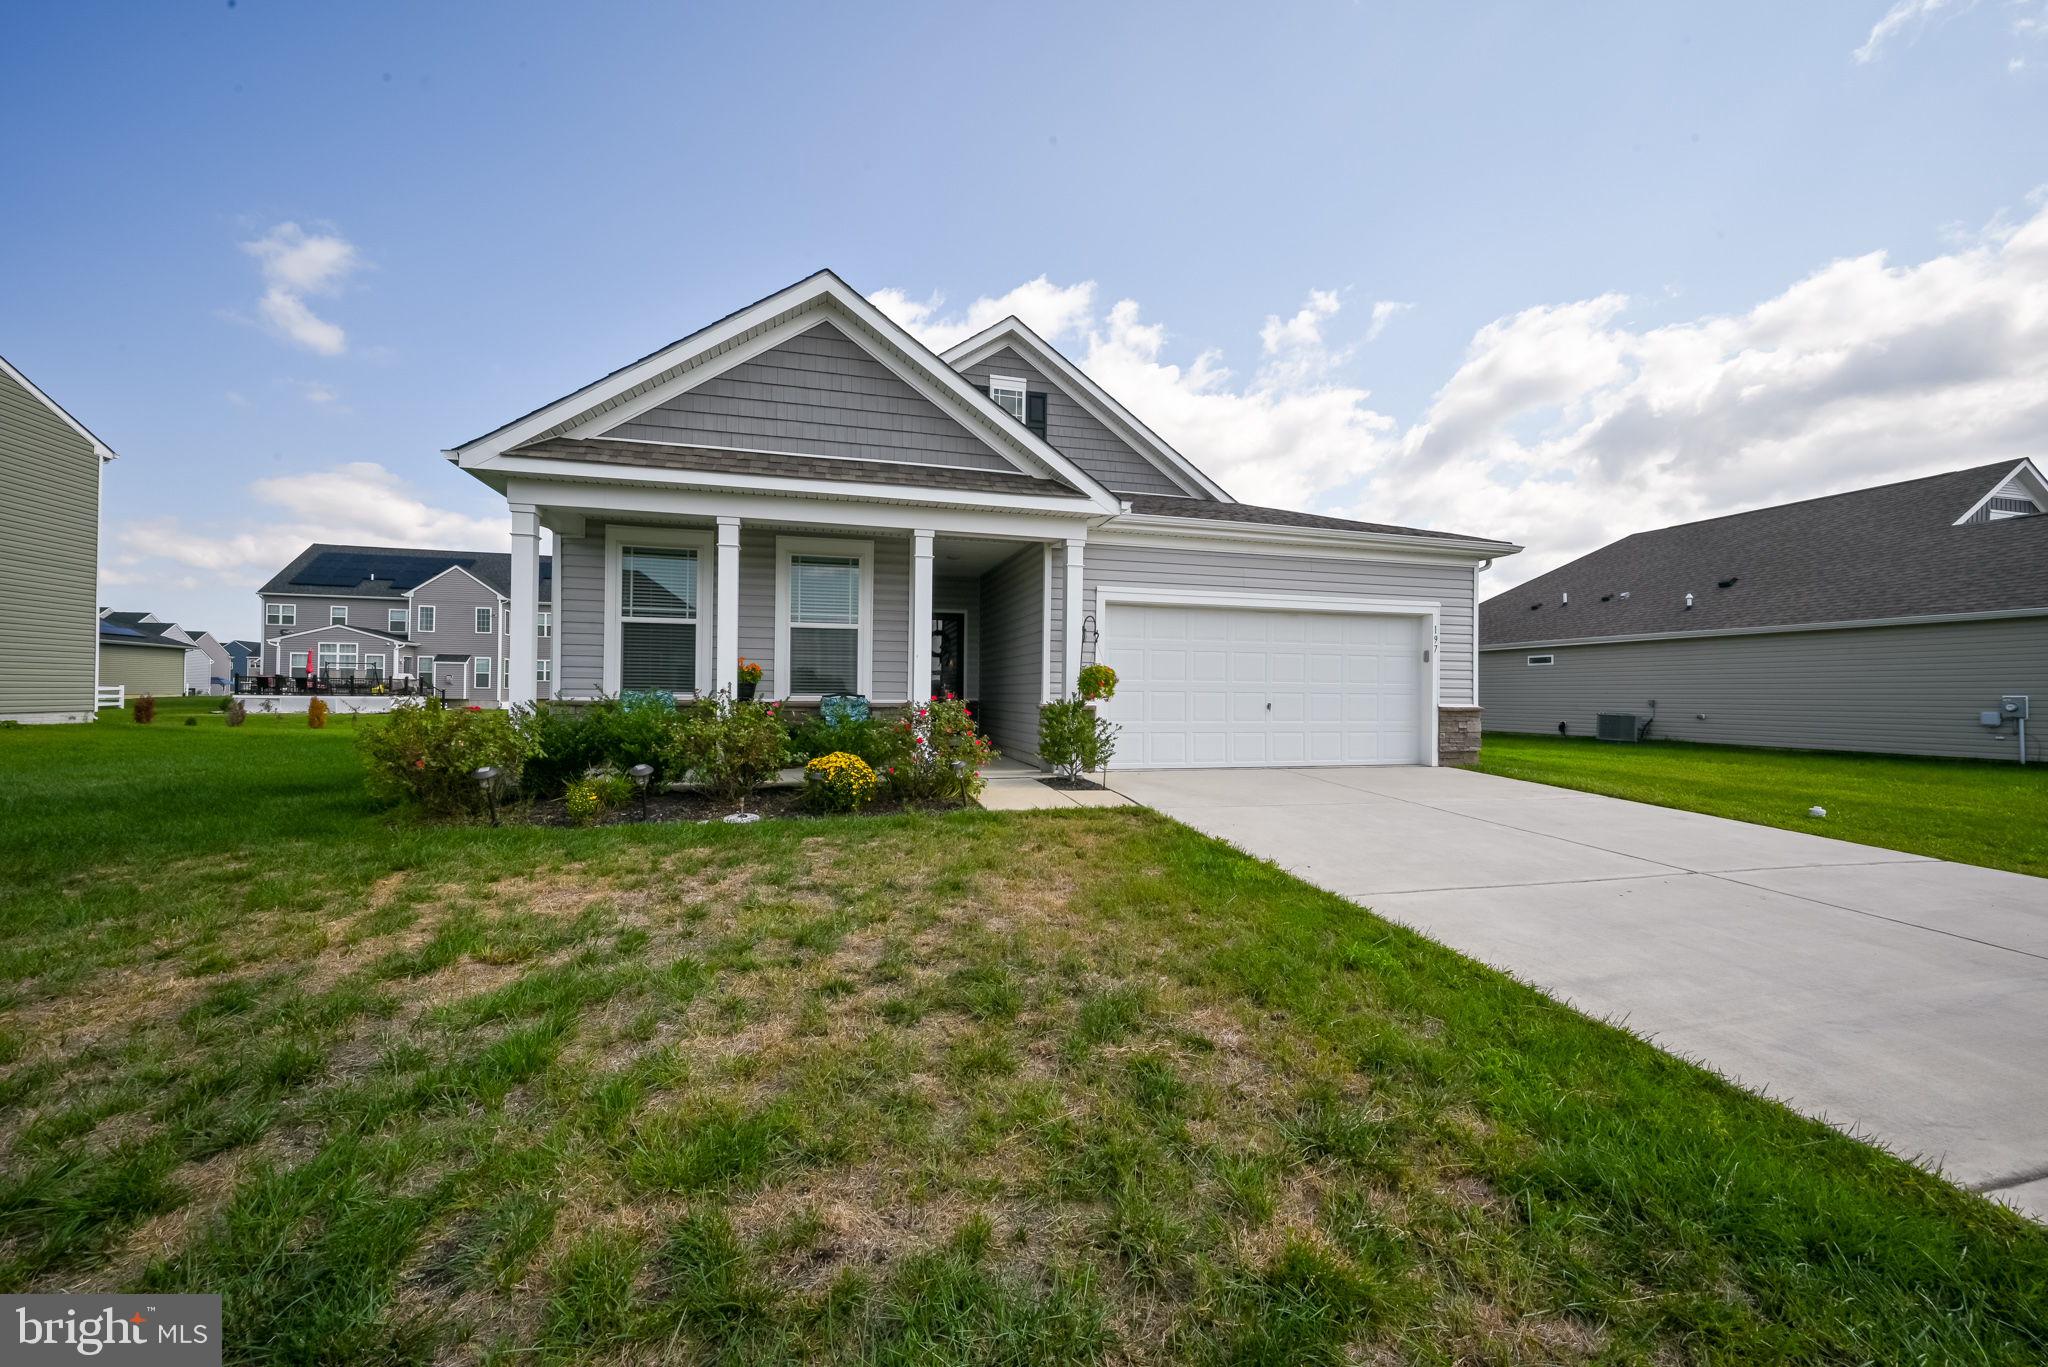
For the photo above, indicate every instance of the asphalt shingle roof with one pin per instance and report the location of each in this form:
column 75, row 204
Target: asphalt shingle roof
column 1869, row 555
column 712, row 460
column 389, row 571
column 1169, row 505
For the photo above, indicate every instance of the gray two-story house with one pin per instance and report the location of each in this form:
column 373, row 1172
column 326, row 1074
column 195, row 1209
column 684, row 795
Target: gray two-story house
column 805, row 484
column 432, row 616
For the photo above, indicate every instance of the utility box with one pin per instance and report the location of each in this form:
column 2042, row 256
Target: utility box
column 2014, row 706
column 1621, row 726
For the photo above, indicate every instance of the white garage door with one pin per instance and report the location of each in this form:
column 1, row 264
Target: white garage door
column 1206, row 687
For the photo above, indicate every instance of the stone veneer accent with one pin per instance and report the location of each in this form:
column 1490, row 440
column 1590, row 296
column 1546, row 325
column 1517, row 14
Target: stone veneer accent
column 1457, row 735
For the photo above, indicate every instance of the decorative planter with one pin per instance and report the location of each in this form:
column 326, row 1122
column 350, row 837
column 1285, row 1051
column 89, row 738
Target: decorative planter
column 747, row 690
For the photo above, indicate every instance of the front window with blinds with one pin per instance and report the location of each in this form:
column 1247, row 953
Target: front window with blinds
column 824, row 624
column 658, row 618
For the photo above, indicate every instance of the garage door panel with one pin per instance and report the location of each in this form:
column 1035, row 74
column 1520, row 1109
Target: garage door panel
column 1240, row 686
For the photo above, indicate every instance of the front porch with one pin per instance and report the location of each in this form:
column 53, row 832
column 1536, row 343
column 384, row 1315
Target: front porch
column 896, row 604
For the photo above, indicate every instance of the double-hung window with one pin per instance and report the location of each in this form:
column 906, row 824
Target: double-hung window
column 482, row 677
column 483, row 621
column 337, row 615
column 281, row 614
column 824, row 601
column 543, row 670
column 394, row 621
column 544, row 625
column 658, row 618
column 425, row 615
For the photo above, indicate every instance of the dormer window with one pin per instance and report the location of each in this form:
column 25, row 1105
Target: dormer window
column 1008, row 393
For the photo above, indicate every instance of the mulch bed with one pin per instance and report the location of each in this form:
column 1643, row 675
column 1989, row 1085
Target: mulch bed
column 771, row 803
column 1074, row 785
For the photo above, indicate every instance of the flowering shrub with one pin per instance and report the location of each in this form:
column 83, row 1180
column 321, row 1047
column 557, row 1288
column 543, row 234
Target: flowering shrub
column 943, row 754
column 426, row 753
column 839, row 783
column 726, row 747
column 1097, row 682
column 1073, row 740
column 596, row 793
column 316, row 713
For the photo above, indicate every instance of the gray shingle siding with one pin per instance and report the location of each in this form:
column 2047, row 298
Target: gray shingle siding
column 1899, row 690
column 1076, row 434
column 1010, row 628
column 817, row 393
column 1449, row 585
column 49, row 554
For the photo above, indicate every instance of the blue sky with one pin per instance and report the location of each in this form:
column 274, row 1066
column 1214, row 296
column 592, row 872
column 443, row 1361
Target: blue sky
column 1539, row 271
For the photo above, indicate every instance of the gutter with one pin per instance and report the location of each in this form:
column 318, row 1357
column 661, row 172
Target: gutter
column 1864, row 624
column 1219, row 529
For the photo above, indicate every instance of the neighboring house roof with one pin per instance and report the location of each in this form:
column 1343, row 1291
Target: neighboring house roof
column 245, row 647
column 377, row 632
column 392, row 571
column 100, row 448
column 1895, row 551
column 1012, row 332
column 1209, row 510
column 614, row 451
column 140, row 629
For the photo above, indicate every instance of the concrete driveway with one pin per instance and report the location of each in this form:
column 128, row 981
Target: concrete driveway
column 1903, row 999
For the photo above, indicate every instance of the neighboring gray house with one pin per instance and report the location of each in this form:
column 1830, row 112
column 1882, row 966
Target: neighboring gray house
column 49, row 554
column 1888, row 619
column 208, row 668
column 404, row 612
column 805, row 484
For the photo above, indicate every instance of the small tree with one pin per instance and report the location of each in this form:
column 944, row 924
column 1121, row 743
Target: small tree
column 145, row 709
column 1073, row 740
column 236, row 712
column 316, row 713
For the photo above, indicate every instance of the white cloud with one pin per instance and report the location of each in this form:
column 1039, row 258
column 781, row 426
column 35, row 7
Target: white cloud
column 1901, row 17
column 296, row 263
column 1565, row 426
column 1383, row 313
column 321, row 395
column 1052, row 311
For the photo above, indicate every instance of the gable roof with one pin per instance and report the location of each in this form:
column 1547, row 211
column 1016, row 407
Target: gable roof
column 392, row 571
column 100, row 448
column 1871, row 555
column 1210, row 510
column 1012, row 332
column 795, row 308
column 141, row 629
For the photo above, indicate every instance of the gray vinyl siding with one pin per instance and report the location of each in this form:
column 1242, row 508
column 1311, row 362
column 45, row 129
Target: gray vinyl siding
column 1075, row 433
column 1449, row 586
column 156, row 670
column 1898, row 690
column 817, row 394
column 1012, row 644
column 49, row 556
column 579, row 615
column 455, row 597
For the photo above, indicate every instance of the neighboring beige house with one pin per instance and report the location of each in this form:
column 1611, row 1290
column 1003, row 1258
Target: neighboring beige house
column 142, row 653
column 49, row 554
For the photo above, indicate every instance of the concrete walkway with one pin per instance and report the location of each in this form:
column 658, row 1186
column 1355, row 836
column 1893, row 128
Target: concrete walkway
column 1900, row 998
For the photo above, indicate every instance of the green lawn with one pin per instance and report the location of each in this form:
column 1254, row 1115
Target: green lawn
column 1972, row 811
column 1067, row 1086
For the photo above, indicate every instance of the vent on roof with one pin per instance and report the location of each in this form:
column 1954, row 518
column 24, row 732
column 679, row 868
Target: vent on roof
column 2005, row 506
column 1730, row 582
column 1606, row 597
column 1534, row 606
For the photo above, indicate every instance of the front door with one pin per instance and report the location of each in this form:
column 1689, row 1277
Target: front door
column 949, row 654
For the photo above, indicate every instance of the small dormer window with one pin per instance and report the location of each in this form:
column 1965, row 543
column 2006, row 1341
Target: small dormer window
column 2013, row 505
column 1008, row 393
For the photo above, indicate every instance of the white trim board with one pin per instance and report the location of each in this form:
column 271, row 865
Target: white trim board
column 2026, row 473
column 1164, row 530
column 864, row 551
column 705, row 543
column 1428, row 609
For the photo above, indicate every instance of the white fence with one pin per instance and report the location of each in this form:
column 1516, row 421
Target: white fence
column 112, row 695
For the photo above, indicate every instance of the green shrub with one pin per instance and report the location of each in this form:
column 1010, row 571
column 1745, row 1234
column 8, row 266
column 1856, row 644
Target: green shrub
column 941, row 754
column 839, row 783
column 596, row 793
column 426, row 753
column 728, row 748
column 237, row 712
column 877, row 740
column 613, row 733
column 1073, row 740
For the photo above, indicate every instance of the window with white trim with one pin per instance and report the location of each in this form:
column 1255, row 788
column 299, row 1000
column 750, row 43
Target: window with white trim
column 658, row 618
column 424, row 615
column 373, row 665
column 298, row 662
column 544, row 670
column 394, row 621
column 543, row 625
column 481, row 671
column 337, row 655
column 483, row 621
column 824, row 624
column 1543, row 659
column 337, row 614
column 1008, row 393
column 281, row 614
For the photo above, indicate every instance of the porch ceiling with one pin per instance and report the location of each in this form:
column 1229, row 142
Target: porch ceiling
column 970, row 556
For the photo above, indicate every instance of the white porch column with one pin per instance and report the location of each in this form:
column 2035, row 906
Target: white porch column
column 523, row 628
column 725, row 617
column 1070, row 620
column 920, row 615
